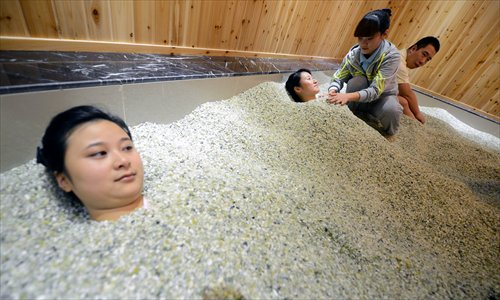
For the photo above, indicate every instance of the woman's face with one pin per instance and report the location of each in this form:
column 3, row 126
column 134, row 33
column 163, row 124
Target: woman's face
column 103, row 168
column 370, row 44
column 308, row 87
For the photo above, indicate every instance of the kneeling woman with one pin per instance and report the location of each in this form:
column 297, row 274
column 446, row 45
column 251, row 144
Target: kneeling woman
column 91, row 154
column 301, row 86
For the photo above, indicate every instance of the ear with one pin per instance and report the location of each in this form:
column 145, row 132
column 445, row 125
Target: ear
column 63, row 181
column 297, row 89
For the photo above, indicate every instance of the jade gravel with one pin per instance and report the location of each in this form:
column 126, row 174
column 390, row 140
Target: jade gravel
column 254, row 197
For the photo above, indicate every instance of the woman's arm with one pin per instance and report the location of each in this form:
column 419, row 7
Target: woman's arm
column 386, row 74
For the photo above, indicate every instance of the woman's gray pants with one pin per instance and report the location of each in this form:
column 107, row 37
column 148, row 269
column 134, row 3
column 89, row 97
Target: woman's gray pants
column 386, row 109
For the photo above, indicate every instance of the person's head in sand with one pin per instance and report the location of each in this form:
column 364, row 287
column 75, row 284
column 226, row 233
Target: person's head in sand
column 302, row 86
column 91, row 154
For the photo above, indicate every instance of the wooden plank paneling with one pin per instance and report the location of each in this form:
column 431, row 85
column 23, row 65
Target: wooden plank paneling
column 161, row 23
column 71, row 19
column 466, row 68
column 144, row 19
column 40, row 19
column 98, row 19
column 193, row 26
column 270, row 24
column 475, row 91
column 12, row 20
column 250, row 24
column 185, row 16
column 122, row 21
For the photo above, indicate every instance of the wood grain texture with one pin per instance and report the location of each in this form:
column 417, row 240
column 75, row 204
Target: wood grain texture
column 465, row 69
column 40, row 19
column 12, row 20
column 98, row 19
column 72, row 19
column 122, row 21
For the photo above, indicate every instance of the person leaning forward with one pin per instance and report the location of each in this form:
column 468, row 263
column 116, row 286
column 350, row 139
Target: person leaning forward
column 414, row 57
column 369, row 70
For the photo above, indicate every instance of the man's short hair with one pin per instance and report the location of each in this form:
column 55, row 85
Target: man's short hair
column 426, row 41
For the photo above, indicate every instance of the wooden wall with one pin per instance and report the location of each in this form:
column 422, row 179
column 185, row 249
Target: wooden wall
column 466, row 69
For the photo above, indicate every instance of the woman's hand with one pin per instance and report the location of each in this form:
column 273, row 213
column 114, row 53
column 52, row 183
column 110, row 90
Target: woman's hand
column 341, row 99
column 330, row 95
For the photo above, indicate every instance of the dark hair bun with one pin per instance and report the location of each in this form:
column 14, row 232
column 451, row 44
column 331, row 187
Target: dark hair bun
column 373, row 22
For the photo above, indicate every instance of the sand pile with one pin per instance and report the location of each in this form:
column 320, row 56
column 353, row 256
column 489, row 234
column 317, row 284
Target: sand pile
column 260, row 197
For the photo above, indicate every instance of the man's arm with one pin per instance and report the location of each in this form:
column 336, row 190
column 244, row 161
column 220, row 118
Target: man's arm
column 406, row 92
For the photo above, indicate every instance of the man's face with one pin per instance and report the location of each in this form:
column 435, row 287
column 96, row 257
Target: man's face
column 419, row 57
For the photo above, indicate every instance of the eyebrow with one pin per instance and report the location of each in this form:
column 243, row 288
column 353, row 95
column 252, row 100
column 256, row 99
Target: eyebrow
column 123, row 139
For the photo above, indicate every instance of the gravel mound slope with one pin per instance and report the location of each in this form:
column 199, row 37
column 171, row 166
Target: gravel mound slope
column 259, row 197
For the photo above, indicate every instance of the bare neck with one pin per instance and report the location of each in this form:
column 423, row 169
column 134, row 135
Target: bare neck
column 115, row 213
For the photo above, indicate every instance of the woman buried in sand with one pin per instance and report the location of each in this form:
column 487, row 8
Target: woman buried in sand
column 301, row 86
column 91, row 154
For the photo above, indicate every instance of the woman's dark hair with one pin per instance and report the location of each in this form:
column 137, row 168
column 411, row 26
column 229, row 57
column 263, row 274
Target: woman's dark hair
column 293, row 81
column 426, row 41
column 54, row 141
column 373, row 22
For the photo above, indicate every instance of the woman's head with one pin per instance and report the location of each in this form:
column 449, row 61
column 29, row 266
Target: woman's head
column 54, row 141
column 373, row 29
column 301, row 86
column 91, row 154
